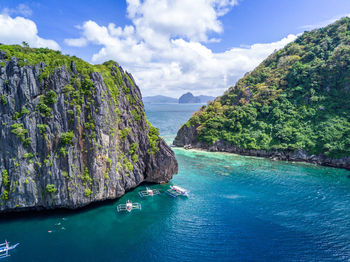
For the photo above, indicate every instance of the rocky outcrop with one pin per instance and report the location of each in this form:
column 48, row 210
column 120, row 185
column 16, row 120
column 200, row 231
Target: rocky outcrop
column 74, row 137
column 188, row 98
column 186, row 137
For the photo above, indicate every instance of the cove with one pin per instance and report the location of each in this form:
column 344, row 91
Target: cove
column 239, row 209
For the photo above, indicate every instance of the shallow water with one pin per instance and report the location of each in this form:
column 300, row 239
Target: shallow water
column 240, row 209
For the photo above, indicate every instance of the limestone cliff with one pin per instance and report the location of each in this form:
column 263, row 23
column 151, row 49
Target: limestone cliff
column 72, row 133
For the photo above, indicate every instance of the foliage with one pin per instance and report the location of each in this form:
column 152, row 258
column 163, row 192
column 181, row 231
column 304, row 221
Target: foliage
column 88, row 192
column 153, row 137
column 19, row 131
column 50, row 188
column 17, row 115
column 28, row 155
column 127, row 165
column 67, row 89
column 46, row 102
column 42, row 128
column 133, row 152
column 24, row 111
column 3, row 100
column 51, row 98
column 124, row 133
column 5, row 195
column 67, row 138
column 129, row 79
column 298, row 98
column 136, row 115
column 5, row 178
column 86, row 177
column 63, row 151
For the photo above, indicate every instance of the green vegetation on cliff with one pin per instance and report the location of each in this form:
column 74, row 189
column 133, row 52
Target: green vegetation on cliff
column 71, row 132
column 298, row 98
column 79, row 90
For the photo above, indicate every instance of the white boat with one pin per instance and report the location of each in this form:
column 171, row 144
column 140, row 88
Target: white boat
column 175, row 191
column 128, row 206
column 148, row 192
column 5, row 248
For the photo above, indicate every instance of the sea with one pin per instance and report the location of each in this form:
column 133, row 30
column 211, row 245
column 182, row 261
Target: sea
column 239, row 209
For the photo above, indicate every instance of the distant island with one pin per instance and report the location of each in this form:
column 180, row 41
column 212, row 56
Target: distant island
column 190, row 98
column 184, row 99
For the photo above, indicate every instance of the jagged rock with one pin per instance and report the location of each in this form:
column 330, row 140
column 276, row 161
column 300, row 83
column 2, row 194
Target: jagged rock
column 186, row 136
column 89, row 143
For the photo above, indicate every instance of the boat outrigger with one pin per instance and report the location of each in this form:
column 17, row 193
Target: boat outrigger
column 148, row 192
column 175, row 191
column 128, row 206
column 5, row 247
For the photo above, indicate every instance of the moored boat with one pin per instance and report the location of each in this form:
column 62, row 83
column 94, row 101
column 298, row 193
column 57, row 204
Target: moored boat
column 5, row 248
column 148, row 192
column 175, row 191
column 128, row 206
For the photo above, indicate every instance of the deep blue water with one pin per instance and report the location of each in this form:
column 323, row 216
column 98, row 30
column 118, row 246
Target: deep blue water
column 240, row 209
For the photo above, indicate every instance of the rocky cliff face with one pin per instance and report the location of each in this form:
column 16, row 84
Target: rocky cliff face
column 73, row 133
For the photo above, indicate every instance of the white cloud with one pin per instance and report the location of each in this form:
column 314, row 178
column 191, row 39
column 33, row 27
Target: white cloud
column 191, row 19
column 165, row 47
column 16, row 30
column 77, row 42
column 21, row 9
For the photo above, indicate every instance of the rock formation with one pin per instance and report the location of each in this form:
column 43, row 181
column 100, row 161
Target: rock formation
column 72, row 133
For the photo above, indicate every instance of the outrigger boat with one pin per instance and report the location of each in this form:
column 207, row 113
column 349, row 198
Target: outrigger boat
column 5, row 247
column 148, row 192
column 175, row 191
column 128, row 206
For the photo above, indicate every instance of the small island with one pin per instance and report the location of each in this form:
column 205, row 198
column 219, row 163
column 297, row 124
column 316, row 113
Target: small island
column 293, row 106
column 187, row 98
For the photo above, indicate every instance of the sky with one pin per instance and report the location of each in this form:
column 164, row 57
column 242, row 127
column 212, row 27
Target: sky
column 170, row 46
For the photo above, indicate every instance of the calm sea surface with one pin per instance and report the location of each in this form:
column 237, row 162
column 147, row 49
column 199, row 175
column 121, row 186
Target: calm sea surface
column 240, row 209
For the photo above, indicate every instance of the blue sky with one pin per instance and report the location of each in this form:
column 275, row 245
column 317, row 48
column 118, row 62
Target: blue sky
column 170, row 46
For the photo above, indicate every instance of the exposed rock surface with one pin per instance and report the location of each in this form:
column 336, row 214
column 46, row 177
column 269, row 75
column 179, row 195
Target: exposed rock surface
column 65, row 143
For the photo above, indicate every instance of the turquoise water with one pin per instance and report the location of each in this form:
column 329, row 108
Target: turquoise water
column 240, row 209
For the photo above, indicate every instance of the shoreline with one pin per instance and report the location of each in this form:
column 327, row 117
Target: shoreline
column 287, row 156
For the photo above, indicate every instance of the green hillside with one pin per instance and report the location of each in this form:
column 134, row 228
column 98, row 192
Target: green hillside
column 298, row 98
